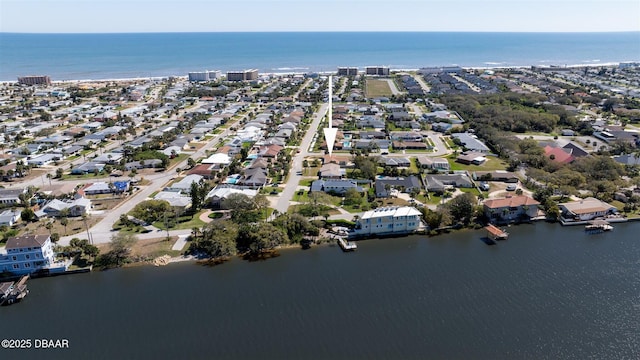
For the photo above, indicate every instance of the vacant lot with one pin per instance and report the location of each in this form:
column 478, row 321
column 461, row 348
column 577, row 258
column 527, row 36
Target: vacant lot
column 378, row 88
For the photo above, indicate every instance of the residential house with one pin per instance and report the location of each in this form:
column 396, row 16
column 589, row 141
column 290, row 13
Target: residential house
column 217, row 195
column 331, row 171
column 270, row 151
column 471, row 142
column 217, row 160
column 558, row 155
column 510, row 209
column 497, row 175
column 74, row 208
column 176, row 200
column 628, row 159
column 255, row 177
column 184, row 185
column 143, row 164
column 433, row 163
column 43, row 159
column 335, row 186
column 9, row 217
column 407, row 184
column 27, row 254
column 394, row 161
column 471, row 158
column 207, row 171
column 439, row 183
column 11, row 196
column 410, row 145
column 88, row 167
column 586, row 209
column 388, row 221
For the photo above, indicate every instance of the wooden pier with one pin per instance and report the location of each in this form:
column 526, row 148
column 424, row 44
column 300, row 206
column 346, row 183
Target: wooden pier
column 346, row 245
column 12, row 292
column 495, row 233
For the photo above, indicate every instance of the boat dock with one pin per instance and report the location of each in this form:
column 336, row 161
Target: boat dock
column 495, row 233
column 598, row 226
column 346, row 245
column 12, row 292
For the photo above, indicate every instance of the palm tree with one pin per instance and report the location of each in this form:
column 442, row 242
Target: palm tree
column 49, row 176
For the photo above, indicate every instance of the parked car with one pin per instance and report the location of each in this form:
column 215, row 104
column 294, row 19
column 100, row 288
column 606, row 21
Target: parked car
column 484, row 186
column 512, row 187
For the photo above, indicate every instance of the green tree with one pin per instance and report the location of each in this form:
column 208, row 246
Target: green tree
column 218, row 239
column 462, row 207
column 243, row 208
column 120, row 251
column 27, row 215
column 352, row 197
column 64, row 222
column 151, row 210
column 258, row 238
column 296, row 226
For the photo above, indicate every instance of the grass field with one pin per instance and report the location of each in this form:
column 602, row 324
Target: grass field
column 377, row 88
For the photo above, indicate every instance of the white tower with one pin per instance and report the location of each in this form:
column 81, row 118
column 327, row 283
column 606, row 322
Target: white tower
column 329, row 132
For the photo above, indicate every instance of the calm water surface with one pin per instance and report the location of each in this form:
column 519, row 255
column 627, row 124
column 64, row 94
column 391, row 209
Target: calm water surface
column 546, row 293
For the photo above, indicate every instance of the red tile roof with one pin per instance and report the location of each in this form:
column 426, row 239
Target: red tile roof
column 559, row 155
column 514, row 201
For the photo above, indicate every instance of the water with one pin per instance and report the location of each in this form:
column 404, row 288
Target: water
column 100, row 56
column 546, row 293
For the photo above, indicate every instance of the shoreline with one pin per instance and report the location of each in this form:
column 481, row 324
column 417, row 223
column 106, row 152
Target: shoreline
column 496, row 66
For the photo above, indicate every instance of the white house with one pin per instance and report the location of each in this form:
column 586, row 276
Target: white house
column 388, row 221
column 218, row 159
column 217, row 195
column 9, row 217
column 29, row 253
column 184, row 185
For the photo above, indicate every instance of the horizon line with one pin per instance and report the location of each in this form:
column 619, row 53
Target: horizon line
column 321, row 31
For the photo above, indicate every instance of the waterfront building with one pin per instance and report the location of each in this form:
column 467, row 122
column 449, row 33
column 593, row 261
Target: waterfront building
column 348, row 71
column 388, row 221
column 377, row 70
column 510, row 208
column 586, row 209
column 29, row 253
column 245, row 75
column 34, row 80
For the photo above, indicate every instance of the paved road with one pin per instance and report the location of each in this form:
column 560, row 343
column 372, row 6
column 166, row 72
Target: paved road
column 393, row 87
column 292, row 183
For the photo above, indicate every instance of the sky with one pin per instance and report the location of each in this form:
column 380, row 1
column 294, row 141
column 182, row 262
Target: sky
column 109, row 16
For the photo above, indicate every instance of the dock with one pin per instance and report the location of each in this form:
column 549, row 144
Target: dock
column 598, row 226
column 495, row 233
column 12, row 292
column 346, row 245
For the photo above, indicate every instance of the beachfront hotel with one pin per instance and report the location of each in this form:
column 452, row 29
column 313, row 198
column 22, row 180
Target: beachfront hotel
column 347, row 71
column 34, row 80
column 245, row 75
column 377, row 70
column 388, row 221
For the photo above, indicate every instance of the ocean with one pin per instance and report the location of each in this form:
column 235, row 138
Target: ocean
column 106, row 56
column 549, row 292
